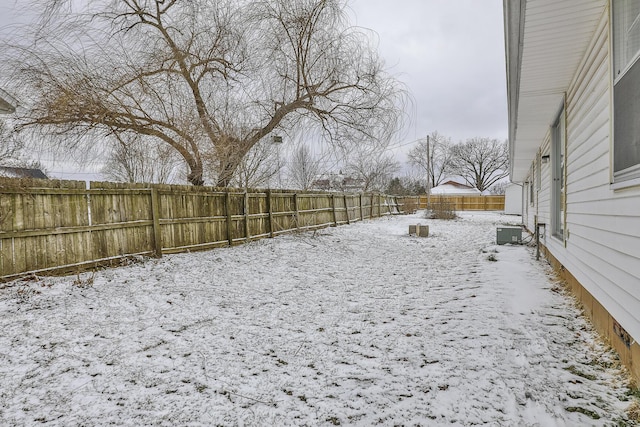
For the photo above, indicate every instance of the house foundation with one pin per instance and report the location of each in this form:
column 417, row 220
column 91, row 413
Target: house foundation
column 607, row 327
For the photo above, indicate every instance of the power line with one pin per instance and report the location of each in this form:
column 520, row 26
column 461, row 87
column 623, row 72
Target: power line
column 404, row 144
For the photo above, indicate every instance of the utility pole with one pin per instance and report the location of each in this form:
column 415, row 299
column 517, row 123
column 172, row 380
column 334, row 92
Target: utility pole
column 428, row 175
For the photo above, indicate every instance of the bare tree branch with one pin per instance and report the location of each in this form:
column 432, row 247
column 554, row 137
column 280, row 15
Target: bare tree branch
column 304, row 168
column 140, row 159
column 438, row 163
column 481, row 161
column 374, row 168
column 11, row 144
column 210, row 79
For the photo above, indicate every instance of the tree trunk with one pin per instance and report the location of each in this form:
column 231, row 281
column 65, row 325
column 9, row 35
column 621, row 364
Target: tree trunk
column 195, row 176
column 230, row 161
column 226, row 172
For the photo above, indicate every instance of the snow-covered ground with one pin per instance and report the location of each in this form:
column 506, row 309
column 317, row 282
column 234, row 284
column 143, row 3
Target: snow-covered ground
column 356, row 325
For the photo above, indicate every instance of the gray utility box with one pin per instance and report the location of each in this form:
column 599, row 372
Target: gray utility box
column 509, row 235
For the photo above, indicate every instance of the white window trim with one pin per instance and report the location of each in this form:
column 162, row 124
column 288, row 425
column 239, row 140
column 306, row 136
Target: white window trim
column 558, row 145
column 622, row 183
column 629, row 177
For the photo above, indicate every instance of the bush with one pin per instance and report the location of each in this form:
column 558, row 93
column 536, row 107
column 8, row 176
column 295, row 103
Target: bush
column 441, row 208
column 410, row 205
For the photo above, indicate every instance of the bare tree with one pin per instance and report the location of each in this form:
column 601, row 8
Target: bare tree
column 438, row 161
column 143, row 159
column 304, row 168
column 209, row 78
column 499, row 188
column 10, row 143
column 14, row 152
column 375, row 169
column 258, row 166
column 480, row 161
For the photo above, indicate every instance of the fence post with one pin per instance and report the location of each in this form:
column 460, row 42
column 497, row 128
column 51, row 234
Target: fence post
column 361, row 210
column 379, row 205
column 333, row 205
column 377, row 199
column 155, row 216
column 227, row 203
column 270, row 211
column 370, row 205
column 346, row 207
column 484, row 204
column 246, row 216
column 297, row 213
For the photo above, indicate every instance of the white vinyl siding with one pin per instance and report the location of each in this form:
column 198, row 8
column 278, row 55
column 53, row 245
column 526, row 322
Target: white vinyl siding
column 603, row 226
column 601, row 246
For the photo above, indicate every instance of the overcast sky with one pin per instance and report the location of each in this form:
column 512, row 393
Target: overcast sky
column 449, row 54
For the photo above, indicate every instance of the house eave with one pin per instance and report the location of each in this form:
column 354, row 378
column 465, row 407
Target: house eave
column 545, row 41
column 513, row 25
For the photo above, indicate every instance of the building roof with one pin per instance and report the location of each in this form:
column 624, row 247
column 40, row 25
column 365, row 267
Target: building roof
column 455, row 188
column 14, row 172
column 545, row 42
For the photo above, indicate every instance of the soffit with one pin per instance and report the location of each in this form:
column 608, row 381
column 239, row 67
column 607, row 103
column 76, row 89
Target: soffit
column 550, row 42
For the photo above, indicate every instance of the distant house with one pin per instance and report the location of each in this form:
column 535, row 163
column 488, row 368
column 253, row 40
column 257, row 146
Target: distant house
column 16, row 172
column 352, row 184
column 7, row 106
column 338, row 182
column 452, row 188
column 322, row 184
column 573, row 85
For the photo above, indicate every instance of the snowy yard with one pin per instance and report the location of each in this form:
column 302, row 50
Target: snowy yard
column 356, row 325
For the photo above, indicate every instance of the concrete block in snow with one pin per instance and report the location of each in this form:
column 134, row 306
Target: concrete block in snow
column 419, row 230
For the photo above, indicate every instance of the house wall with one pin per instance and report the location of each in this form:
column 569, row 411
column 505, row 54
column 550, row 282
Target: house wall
column 513, row 200
column 601, row 249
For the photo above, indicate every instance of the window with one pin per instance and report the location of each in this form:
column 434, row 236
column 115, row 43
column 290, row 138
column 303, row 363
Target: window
column 530, row 183
column 626, row 90
column 537, row 169
column 557, row 175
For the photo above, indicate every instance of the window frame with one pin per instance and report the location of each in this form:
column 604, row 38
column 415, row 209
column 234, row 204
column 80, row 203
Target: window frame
column 623, row 176
column 531, row 192
column 558, row 174
column 538, row 170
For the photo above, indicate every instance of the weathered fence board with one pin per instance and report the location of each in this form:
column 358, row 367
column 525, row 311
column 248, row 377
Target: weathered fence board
column 458, row 203
column 62, row 225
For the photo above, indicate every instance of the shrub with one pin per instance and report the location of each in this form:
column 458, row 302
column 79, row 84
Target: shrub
column 441, row 208
column 410, row 205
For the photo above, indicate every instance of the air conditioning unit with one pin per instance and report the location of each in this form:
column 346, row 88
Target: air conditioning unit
column 509, row 235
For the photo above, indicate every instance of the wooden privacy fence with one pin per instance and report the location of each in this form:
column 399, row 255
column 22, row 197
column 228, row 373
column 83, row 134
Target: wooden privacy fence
column 458, row 203
column 61, row 225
